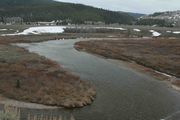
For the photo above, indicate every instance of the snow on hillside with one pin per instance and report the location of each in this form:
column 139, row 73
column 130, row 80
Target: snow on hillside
column 176, row 32
column 171, row 17
column 3, row 29
column 155, row 33
column 111, row 28
column 137, row 30
column 40, row 30
column 169, row 31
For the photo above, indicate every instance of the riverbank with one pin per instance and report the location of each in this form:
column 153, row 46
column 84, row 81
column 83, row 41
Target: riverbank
column 32, row 78
column 19, row 104
column 159, row 57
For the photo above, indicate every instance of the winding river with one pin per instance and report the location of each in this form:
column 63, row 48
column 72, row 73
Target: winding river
column 122, row 93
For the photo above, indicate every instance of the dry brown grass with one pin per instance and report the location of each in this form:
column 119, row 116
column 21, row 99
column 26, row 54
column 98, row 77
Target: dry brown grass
column 160, row 54
column 41, row 80
column 46, row 37
column 34, row 38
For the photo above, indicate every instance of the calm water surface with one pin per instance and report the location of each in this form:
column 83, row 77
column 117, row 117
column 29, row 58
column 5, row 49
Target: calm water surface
column 122, row 93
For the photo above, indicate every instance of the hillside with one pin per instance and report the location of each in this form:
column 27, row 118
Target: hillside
column 48, row 10
column 168, row 19
column 10, row 3
column 135, row 15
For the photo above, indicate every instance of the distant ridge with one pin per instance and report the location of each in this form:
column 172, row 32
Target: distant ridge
column 136, row 15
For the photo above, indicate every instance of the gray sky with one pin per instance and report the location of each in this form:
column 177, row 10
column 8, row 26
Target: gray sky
column 140, row 6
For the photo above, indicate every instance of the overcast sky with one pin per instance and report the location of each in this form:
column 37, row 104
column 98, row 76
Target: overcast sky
column 139, row 6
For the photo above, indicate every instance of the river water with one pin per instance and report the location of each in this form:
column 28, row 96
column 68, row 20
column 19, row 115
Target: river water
column 122, row 93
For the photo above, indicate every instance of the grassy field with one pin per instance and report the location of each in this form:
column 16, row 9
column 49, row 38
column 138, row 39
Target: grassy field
column 46, row 37
column 129, row 30
column 95, row 30
column 159, row 54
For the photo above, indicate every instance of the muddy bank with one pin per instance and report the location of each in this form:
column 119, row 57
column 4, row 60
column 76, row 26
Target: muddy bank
column 155, row 54
column 29, row 77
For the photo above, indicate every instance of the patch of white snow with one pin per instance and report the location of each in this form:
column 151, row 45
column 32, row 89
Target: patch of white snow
column 39, row 30
column 176, row 32
column 168, row 31
column 137, row 30
column 3, row 29
column 112, row 28
column 163, row 74
column 155, row 33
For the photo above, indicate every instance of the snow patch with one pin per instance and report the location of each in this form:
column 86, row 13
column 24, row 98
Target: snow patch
column 39, row 30
column 163, row 74
column 111, row 28
column 155, row 33
column 154, row 25
column 3, row 29
column 168, row 31
column 137, row 30
column 176, row 32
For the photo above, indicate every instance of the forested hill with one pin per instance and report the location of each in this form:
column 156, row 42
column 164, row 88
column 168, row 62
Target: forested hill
column 11, row 3
column 48, row 10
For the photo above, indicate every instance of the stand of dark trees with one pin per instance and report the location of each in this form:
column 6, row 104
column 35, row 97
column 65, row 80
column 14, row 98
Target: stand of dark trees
column 158, row 22
column 47, row 10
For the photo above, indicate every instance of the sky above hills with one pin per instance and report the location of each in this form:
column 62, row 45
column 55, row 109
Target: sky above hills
column 137, row 6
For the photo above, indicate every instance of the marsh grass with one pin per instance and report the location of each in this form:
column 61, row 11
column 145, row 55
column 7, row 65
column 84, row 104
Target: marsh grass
column 10, row 113
column 14, row 113
column 32, row 78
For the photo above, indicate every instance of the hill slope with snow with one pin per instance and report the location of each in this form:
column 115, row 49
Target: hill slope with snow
column 169, row 18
